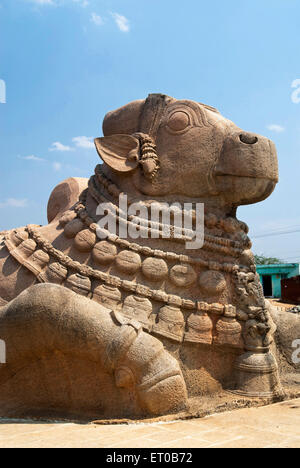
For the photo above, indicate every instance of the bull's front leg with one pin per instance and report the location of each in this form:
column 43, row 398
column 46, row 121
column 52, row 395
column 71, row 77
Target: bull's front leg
column 68, row 356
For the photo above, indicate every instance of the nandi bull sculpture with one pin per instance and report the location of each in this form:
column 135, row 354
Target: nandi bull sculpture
column 98, row 326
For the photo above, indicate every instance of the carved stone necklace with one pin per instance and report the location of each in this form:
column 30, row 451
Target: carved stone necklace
column 158, row 228
column 220, row 245
column 84, row 217
column 34, row 246
column 228, row 224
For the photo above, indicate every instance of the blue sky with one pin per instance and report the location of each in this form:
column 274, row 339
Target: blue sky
column 65, row 63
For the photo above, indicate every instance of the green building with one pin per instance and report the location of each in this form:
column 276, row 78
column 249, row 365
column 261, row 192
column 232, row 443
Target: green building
column 271, row 276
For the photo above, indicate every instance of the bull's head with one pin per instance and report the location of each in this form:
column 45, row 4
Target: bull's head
column 164, row 146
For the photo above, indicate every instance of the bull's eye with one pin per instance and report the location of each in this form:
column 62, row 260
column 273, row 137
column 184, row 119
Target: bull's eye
column 179, row 121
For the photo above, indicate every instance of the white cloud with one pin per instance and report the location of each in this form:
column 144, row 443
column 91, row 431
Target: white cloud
column 57, row 146
column 80, row 142
column 84, row 142
column 14, row 203
column 96, row 19
column 122, row 22
column 57, row 166
column 276, row 128
column 31, row 158
column 2, row 92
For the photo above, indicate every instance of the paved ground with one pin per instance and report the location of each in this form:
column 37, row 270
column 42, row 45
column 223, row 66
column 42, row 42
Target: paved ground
column 271, row 426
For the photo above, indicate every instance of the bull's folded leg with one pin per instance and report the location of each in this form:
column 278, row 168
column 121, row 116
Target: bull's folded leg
column 67, row 356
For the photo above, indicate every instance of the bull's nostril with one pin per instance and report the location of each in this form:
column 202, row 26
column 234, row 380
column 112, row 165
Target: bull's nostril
column 248, row 139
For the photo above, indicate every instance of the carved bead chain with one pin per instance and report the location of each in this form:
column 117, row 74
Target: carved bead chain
column 209, row 243
column 115, row 192
column 158, row 228
column 148, row 252
column 129, row 286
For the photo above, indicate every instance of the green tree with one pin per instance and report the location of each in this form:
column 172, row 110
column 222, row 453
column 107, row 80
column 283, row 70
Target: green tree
column 263, row 260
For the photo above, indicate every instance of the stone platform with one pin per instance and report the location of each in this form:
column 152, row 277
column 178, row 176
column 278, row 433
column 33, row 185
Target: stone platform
column 271, row 426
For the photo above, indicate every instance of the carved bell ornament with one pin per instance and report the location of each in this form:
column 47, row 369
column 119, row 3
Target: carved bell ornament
column 108, row 296
column 79, row 284
column 229, row 332
column 24, row 250
column 200, row 327
column 256, row 375
column 55, row 273
column 37, row 262
column 170, row 323
column 18, row 236
column 138, row 308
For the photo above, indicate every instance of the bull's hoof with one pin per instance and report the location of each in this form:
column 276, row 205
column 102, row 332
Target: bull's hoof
column 167, row 396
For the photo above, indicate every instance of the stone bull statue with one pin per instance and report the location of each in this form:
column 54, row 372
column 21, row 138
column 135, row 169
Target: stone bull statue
column 99, row 326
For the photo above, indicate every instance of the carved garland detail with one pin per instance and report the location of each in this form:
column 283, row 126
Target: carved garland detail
column 148, row 252
column 89, row 272
column 211, row 243
column 115, row 192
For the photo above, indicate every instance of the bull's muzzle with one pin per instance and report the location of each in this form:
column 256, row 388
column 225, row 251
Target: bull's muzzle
column 248, row 155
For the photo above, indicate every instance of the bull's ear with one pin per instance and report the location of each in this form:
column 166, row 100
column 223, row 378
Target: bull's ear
column 120, row 152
